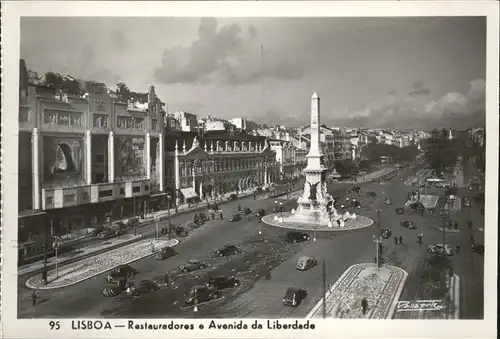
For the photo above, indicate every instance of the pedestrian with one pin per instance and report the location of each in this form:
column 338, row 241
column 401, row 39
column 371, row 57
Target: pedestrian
column 472, row 238
column 33, row 298
column 457, row 248
column 166, row 278
column 221, row 216
column 401, row 240
column 152, row 247
column 364, row 305
column 395, row 240
column 456, row 225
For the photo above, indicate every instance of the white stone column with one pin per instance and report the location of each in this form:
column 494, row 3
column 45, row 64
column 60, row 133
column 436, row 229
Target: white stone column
column 147, row 155
column 194, row 175
column 111, row 157
column 88, row 157
column 265, row 175
column 160, row 162
column 35, row 164
column 201, row 189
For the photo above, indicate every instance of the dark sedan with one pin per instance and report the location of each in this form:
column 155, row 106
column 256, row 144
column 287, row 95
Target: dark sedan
column 400, row 210
column 260, row 212
column 409, row 224
column 294, row 296
column 121, row 272
column 227, row 251
column 192, row 265
column 144, row 287
column 221, row 282
column 295, row 237
column 235, row 217
column 385, row 233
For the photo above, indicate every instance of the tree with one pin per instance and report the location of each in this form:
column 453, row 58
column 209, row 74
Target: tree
column 365, row 165
column 123, row 92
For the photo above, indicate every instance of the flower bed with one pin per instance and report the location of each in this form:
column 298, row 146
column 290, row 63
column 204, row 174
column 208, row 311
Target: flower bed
column 90, row 267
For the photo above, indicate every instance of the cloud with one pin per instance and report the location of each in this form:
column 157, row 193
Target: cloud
column 415, row 107
column 224, row 53
column 118, row 40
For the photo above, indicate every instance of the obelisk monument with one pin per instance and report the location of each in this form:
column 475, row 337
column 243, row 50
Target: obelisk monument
column 315, row 205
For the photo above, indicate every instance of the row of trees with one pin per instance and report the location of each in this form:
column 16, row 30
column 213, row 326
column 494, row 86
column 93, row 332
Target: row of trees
column 374, row 150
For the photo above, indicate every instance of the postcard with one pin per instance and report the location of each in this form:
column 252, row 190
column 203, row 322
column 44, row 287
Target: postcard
column 249, row 169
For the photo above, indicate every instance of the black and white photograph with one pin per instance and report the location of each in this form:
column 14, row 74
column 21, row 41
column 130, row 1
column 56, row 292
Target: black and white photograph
column 297, row 170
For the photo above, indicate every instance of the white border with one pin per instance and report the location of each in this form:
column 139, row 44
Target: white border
column 11, row 11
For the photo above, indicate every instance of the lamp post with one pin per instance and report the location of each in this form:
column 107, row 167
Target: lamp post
column 157, row 219
column 314, row 234
column 55, row 245
column 353, row 203
column 168, row 207
column 281, row 210
column 135, row 221
column 276, row 208
column 377, row 242
column 260, row 226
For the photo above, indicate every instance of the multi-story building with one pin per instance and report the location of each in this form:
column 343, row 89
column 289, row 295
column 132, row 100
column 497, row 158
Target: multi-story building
column 290, row 160
column 211, row 164
column 82, row 160
column 188, row 122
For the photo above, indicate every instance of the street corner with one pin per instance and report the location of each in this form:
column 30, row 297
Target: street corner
column 379, row 288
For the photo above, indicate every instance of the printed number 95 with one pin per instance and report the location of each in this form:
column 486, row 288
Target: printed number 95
column 54, row 325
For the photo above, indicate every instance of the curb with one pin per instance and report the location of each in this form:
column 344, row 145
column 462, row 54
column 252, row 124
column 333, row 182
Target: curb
column 392, row 308
column 29, row 285
column 145, row 223
column 329, row 229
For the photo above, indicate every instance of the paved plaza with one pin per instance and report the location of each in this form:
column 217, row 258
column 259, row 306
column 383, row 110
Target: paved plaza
column 84, row 269
column 381, row 288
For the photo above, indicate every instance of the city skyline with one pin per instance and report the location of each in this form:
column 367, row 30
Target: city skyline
column 440, row 65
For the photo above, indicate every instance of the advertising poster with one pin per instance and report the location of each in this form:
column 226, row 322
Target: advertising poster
column 129, row 156
column 62, row 159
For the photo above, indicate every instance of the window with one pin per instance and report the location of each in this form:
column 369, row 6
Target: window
column 69, row 198
column 122, row 191
column 105, row 194
column 49, row 201
column 136, row 189
column 146, row 188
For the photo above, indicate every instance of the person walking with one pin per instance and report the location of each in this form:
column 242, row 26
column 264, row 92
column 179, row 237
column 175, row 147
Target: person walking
column 457, row 248
column 166, row 278
column 33, row 298
column 364, row 305
column 395, row 240
column 401, row 240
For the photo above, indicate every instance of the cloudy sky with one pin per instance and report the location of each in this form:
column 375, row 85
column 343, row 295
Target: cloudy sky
column 390, row 71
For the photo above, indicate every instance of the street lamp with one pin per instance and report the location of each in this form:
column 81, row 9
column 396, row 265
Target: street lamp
column 276, row 208
column 157, row 219
column 281, row 210
column 55, row 245
column 260, row 226
column 314, row 235
column 168, row 207
column 354, row 203
column 377, row 241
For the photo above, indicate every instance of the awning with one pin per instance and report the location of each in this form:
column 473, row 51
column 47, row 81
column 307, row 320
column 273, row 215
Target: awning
column 189, row 193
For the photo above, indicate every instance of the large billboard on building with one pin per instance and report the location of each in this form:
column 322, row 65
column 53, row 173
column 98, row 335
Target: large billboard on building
column 129, row 157
column 62, row 160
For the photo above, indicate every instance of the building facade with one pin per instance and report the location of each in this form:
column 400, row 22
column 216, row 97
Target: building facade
column 290, row 160
column 83, row 160
column 201, row 166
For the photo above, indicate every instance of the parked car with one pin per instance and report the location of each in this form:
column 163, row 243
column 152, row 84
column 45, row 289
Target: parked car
column 235, row 217
column 466, row 202
column 410, row 224
column 233, row 196
column 226, row 251
column 165, row 253
column 388, row 201
column 294, row 236
column 400, row 210
column 247, row 211
column 294, row 296
column 202, row 293
column 478, row 248
column 144, row 287
column 260, row 212
column 181, row 231
column 385, row 233
column 440, row 249
column 121, row 272
column 96, row 230
column 192, row 265
column 116, row 288
column 304, row 263
column 221, row 282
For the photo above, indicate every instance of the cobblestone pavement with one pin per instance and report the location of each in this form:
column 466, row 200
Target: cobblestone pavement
column 87, row 268
column 381, row 288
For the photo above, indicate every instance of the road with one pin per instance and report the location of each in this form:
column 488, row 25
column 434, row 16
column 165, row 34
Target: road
column 269, row 252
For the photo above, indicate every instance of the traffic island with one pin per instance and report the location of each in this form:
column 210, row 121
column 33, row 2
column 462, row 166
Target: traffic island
column 87, row 268
column 351, row 223
column 380, row 288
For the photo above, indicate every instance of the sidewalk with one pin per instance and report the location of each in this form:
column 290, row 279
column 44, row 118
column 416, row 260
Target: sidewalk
column 381, row 289
column 85, row 269
column 98, row 247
